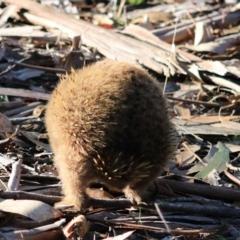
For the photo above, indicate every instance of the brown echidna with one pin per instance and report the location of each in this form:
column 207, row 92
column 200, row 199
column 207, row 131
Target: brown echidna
column 109, row 123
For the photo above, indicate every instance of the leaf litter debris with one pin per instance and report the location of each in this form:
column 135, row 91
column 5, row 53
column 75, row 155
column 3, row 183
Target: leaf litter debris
column 192, row 48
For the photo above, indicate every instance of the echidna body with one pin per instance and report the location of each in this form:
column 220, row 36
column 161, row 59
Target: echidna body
column 109, row 123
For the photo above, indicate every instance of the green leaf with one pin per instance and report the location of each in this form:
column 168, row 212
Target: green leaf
column 136, row 2
column 218, row 162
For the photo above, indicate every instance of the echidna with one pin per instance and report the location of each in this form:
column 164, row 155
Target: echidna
column 109, row 123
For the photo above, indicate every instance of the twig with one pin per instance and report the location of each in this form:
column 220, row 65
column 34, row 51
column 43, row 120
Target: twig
column 24, row 93
column 201, row 189
column 11, row 105
column 231, row 177
column 122, row 3
column 47, row 69
column 15, row 111
column 208, row 104
column 185, row 145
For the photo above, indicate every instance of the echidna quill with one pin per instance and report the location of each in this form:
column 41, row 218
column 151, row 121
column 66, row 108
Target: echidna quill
column 109, row 123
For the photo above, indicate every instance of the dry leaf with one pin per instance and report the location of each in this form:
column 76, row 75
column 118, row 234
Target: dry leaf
column 199, row 166
column 209, row 119
column 186, row 157
column 233, row 146
column 120, row 237
column 145, row 23
column 26, row 73
column 33, row 137
column 218, row 46
column 14, row 180
column 39, row 233
column 36, row 210
column 5, row 124
column 5, row 161
column 205, row 129
column 38, row 111
column 202, row 33
column 213, row 66
column 79, row 226
column 182, row 110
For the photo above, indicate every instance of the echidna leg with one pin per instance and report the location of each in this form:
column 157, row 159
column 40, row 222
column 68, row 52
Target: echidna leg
column 74, row 184
column 137, row 193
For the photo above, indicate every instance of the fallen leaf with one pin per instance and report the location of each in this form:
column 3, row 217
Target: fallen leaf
column 5, row 124
column 182, row 110
column 121, row 236
column 79, row 226
column 199, row 166
column 36, row 210
column 218, row 162
column 15, row 176
column 186, row 157
column 33, row 137
column 202, row 33
column 145, row 23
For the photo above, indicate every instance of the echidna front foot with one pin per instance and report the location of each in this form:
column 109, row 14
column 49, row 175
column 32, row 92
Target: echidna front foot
column 139, row 195
column 134, row 195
